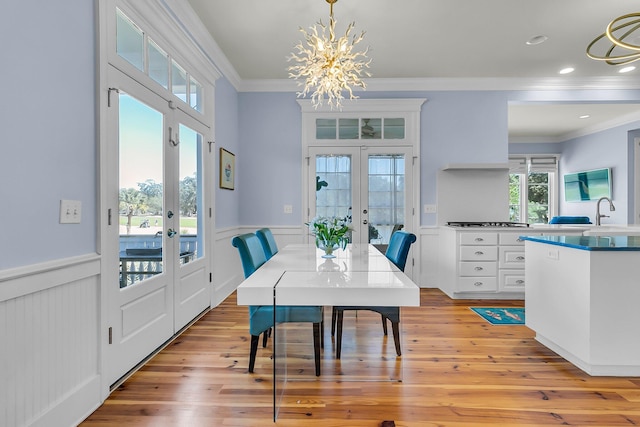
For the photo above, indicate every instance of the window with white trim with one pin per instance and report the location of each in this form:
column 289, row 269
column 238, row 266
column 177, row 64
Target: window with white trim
column 533, row 195
column 141, row 51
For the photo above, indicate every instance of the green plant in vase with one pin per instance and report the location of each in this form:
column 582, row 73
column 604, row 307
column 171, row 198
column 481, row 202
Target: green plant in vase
column 330, row 233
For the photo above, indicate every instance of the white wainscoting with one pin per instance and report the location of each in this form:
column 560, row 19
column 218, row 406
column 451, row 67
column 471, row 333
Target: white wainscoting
column 50, row 327
column 49, row 330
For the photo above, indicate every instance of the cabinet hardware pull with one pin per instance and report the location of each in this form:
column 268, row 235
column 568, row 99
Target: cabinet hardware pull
column 478, row 284
column 479, row 269
column 520, row 258
column 519, row 281
column 479, row 253
column 479, row 239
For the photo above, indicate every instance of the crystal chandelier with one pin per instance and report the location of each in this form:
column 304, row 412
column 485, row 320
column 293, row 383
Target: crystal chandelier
column 326, row 66
column 619, row 32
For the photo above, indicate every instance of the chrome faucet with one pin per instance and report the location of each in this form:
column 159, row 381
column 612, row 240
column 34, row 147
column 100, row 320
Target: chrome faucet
column 598, row 214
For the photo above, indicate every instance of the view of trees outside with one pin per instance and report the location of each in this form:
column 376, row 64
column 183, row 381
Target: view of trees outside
column 147, row 199
column 514, row 198
column 537, row 201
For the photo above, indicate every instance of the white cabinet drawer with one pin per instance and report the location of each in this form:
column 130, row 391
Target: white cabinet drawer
column 511, row 257
column 512, row 238
column 478, row 253
column 481, row 268
column 511, row 280
column 477, row 284
column 478, row 238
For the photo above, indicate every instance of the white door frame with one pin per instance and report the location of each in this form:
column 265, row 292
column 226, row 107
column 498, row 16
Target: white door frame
column 409, row 109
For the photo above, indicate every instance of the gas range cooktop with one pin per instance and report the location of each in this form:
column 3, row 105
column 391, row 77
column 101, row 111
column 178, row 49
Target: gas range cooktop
column 487, row 224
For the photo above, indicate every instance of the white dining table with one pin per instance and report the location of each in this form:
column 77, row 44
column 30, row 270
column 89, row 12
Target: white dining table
column 358, row 275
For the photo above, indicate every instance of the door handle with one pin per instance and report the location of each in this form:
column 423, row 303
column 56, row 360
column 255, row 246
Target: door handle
column 171, row 232
column 170, row 214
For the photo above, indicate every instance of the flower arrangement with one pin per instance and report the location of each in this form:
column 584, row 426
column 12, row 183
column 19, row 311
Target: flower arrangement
column 331, row 233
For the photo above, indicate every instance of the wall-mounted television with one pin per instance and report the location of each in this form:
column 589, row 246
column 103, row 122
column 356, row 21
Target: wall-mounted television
column 587, row 185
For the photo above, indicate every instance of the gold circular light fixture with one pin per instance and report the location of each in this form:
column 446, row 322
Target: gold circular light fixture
column 618, row 32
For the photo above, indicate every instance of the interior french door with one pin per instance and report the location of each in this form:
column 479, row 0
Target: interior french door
column 373, row 185
column 156, row 273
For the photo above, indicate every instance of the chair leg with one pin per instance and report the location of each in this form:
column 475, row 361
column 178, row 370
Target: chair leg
column 253, row 351
column 322, row 333
column 265, row 335
column 316, row 346
column 395, row 326
column 340, row 317
column 384, row 324
column 333, row 321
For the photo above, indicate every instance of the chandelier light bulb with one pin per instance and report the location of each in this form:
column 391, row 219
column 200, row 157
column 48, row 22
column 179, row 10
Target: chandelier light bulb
column 328, row 67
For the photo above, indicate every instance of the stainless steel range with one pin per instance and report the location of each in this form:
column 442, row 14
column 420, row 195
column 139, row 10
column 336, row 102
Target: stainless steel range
column 486, row 224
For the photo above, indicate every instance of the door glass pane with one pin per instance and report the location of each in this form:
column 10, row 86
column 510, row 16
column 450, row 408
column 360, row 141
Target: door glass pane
column 178, row 81
column 129, row 41
column 190, row 195
column 371, row 129
column 514, row 197
column 158, row 64
column 538, row 198
column 141, row 191
column 333, row 185
column 386, row 196
column 196, row 95
column 325, row 128
column 348, row 128
column 394, row 128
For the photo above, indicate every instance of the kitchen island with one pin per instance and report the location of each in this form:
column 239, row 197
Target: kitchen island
column 582, row 299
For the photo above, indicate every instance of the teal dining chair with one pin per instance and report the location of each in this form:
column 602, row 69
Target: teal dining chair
column 397, row 253
column 268, row 242
column 261, row 317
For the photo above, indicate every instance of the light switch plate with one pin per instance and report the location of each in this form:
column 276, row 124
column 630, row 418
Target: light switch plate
column 429, row 209
column 288, row 209
column 70, row 211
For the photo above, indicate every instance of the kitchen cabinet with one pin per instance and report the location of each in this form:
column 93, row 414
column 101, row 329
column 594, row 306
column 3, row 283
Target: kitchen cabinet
column 582, row 300
column 487, row 262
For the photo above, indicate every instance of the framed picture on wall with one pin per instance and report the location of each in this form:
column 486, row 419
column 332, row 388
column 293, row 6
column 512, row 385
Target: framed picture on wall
column 227, row 169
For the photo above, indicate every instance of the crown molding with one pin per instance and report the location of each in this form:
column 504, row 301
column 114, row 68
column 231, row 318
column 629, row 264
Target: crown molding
column 191, row 25
column 459, row 84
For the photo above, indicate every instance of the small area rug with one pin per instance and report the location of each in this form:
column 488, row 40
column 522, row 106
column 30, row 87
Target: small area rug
column 501, row 315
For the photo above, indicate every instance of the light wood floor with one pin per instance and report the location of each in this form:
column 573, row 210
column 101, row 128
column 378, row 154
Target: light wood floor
column 458, row 370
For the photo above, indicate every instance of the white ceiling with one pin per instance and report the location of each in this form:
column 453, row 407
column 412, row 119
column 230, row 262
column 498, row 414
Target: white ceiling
column 442, row 39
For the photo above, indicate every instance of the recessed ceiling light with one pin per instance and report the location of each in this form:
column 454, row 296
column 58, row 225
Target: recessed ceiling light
column 585, row 116
column 567, row 70
column 626, row 69
column 537, row 40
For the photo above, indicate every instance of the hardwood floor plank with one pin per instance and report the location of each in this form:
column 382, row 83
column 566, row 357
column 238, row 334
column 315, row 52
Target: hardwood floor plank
column 458, row 370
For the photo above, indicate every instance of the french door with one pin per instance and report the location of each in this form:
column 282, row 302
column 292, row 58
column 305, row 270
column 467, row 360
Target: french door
column 373, row 185
column 157, row 239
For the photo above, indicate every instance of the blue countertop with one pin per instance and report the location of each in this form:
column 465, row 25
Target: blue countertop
column 590, row 243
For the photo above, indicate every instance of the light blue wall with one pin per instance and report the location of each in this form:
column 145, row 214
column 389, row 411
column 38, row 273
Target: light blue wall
column 456, row 127
column 226, row 136
column 48, row 130
column 535, row 148
column 270, row 159
column 607, row 149
column 49, row 137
